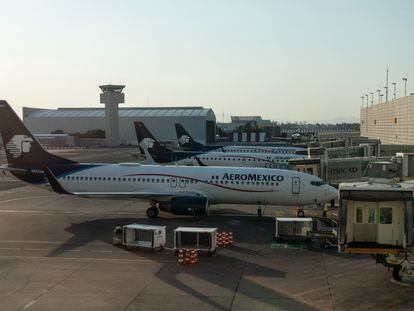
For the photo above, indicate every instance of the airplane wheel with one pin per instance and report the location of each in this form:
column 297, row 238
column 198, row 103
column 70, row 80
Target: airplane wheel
column 300, row 213
column 152, row 212
column 396, row 273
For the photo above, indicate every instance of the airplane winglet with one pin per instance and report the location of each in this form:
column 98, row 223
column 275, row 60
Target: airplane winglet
column 199, row 161
column 56, row 186
column 148, row 156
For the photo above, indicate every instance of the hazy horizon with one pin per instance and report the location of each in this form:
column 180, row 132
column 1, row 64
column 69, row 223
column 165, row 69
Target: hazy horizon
column 296, row 60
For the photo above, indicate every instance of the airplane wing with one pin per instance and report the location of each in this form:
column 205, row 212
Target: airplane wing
column 142, row 195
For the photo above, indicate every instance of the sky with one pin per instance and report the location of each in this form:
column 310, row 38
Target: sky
column 284, row 60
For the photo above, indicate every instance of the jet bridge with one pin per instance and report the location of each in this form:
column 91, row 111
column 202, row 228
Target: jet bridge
column 377, row 218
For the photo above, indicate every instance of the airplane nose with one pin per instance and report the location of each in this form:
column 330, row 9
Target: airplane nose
column 331, row 193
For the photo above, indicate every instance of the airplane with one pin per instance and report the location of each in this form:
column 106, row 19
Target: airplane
column 180, row 190
column 160, row 154
column 155, row 153
column 186, row 142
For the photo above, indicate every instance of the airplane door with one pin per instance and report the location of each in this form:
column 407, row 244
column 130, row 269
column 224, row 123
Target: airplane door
column 295, row 185
column 182, row 182
column 173, row 182
column 390, row 219
column 385, row 226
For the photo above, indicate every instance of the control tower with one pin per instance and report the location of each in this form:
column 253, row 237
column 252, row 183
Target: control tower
column 111, row 96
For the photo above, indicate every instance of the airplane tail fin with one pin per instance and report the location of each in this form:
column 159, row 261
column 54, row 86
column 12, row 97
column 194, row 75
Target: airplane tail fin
column 185, row 140
column 147, row 141
column 22, row 149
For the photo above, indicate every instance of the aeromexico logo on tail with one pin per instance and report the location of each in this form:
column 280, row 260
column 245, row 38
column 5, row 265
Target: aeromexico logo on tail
column 147, row 143
column 19, row 144
column 184, row 139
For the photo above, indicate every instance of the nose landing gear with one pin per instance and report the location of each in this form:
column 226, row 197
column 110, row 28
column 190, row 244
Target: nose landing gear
column 300, row 212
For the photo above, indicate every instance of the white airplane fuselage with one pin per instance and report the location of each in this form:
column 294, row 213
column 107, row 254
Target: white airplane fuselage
column 241, row 159
column 218, row 184
column 261, row 149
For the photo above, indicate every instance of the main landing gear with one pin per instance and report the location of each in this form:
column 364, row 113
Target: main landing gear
column 300, row 212
column 153, row 211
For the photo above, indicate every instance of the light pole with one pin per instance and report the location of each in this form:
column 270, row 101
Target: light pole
column 405, row 86
column 372, row 98
column 394, row 95
column 366, row 117
column 362, row 101
column 379, row 96
column 386, row 86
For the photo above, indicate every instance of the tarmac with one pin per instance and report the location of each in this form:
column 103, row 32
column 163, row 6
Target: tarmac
column 56, row 253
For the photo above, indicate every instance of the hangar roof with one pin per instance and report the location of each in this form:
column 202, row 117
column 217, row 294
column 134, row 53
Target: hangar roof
column 123, row 112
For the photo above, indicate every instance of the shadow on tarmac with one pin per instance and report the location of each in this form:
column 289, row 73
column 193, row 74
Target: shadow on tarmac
column 220, row 269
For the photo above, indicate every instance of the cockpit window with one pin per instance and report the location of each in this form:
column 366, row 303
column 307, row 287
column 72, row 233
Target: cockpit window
column 318, row 182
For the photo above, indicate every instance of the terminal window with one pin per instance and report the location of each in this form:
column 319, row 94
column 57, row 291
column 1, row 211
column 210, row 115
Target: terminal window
column 386, row 215
column 371, row 215
column 359, row 219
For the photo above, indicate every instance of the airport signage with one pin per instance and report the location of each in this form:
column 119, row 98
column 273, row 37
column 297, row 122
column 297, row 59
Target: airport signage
column 344, row 170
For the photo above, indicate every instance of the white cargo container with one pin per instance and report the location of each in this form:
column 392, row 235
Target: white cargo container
column 293, row 228
column 147, row 236
column 203, row 239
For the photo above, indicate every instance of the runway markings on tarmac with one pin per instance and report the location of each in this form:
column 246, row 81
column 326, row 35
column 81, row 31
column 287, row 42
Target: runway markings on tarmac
column 89, row 258
column 28, row 198
column 68, row 212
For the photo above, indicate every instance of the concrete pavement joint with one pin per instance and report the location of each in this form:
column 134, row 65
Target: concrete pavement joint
column 57, row 284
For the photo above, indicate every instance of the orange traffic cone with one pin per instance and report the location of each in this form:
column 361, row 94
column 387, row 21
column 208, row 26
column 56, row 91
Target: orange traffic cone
column 225, row 239
column 219, row 239
column 193, row 256
column 231, row 238
column 180, row 259
column 187, row 256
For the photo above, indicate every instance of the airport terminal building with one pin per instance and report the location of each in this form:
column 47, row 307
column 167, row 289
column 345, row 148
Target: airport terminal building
column 392, row 122
column 199, row 121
